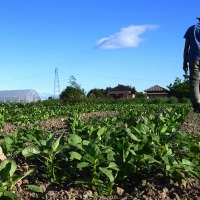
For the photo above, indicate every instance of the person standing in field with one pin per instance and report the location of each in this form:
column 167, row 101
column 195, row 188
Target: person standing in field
column 191, row 55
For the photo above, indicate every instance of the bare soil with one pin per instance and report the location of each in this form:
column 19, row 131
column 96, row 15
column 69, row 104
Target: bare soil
column 152, row 188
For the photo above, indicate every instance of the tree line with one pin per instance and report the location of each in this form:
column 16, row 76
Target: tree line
column 74, row 91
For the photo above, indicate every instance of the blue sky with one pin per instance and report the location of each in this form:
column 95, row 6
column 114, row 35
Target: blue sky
column 102, row 43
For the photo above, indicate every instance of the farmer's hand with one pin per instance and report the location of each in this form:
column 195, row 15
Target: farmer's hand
column 185, row 67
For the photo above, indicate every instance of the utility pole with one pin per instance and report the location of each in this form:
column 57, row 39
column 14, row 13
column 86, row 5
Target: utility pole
column 56, row 84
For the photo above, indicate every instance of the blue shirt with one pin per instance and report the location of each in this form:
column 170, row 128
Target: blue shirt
column 193, row 34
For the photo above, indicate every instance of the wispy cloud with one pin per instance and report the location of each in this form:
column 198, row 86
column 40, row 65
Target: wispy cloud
column 128, row 37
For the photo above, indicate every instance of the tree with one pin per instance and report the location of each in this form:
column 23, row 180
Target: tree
column 73, row 83
column 74, row 92
column 96, row 93
column 140, row 95
column 180, row 89
column 133, row 90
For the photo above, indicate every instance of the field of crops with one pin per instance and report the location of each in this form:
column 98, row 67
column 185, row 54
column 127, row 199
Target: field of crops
column 103, row 147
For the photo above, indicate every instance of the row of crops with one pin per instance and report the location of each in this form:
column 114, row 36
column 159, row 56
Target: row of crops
column 138, row 140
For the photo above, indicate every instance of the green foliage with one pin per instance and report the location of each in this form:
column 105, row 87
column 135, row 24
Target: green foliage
column 102, row 151
column 13, row 144
column 9, row 178
column 110, row 153
column 157, row 101
column 74, row 92
column 140, row 95
column 47, row 151
column 179, row 89
column 96, row 93
column 173, row 100
column 73, row 83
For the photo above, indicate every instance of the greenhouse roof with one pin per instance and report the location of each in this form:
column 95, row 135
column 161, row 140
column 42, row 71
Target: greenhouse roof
column 28, row 95
column 13, row 93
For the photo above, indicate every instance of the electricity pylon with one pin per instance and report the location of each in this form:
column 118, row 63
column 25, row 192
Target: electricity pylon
column 56, row 84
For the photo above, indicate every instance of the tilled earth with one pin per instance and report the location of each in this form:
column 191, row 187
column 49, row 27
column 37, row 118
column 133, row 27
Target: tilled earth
column 151, row 188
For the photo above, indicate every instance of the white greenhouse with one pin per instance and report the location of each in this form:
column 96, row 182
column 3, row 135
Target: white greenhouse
column 27, row 96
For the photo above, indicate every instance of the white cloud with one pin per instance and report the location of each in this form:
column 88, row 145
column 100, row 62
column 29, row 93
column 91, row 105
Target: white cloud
column 128, row 37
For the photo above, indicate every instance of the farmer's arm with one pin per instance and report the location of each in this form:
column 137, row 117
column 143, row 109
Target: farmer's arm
column 185, row 54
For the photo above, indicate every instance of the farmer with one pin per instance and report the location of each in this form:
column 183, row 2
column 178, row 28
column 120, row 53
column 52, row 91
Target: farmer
column 191, row 55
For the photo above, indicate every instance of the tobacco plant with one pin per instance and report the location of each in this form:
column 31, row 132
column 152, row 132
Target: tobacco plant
column 8, row 179
column 46, row 152
column 12, row 145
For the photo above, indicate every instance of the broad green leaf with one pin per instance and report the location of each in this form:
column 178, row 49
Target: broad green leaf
column 89, row 158
column 31, row 151
column 101, row 131
column 8, row 140
column 195, row 149
column 106, row 149
column 165, row 158
column 113, row 165
column 74, row 139
column 75, row 155
column 161, row 118
column 150, row 159
column 50, row 140
column 85, row 142
column 79, row 147
column 127, row 168
column 144, row 128
column 198, row 168
column 60, row 148
column 164, row 128
column 12, row 168
column 46, row 152
column 171, row 159
column 8, row 196
column 43, row 142
column 93, row 150
column 144, row 144
column 56, row 143
column 108, row 173
column 131, row 135
column 145, row 119
column 35, row 188
column 168, row 167
column 110, row 156
column 82, row 164
column 4, row 173
column 137, row 130
column 187, row 162
column 132, row 151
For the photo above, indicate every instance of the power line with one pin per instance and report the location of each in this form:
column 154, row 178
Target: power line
column 25, row 77
column 114, row 77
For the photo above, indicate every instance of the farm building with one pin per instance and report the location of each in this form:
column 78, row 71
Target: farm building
column 122, row 92
column 28, row 95
column 156, row 92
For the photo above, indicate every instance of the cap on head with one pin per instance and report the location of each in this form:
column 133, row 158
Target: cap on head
column 198, row 18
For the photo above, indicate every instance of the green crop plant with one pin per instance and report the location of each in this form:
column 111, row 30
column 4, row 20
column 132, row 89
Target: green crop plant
column 102, row 150
column 47, row 153
column 8, row 179
column 13, row 144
